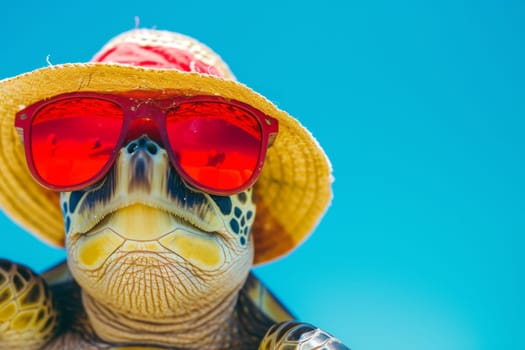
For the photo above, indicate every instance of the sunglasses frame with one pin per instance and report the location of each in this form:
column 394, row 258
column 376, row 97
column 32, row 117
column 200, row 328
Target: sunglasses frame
column 149, row 106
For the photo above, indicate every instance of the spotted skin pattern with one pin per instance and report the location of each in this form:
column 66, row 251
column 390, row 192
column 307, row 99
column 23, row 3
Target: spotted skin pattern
column 239, row 212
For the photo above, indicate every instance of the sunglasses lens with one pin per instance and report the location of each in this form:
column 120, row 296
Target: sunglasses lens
column 72, row 139
column 216, row 145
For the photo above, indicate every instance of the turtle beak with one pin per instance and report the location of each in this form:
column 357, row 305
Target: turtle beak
column 141, row 153
column 142, row 174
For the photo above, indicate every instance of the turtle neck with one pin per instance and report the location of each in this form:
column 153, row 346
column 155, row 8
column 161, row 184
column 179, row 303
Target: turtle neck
column 210, row 326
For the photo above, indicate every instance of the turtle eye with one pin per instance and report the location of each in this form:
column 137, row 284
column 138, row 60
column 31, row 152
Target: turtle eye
column 73, row 139
column 216, row 146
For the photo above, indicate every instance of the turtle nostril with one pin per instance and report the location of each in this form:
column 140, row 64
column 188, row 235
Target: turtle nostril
column 132, row 147
column 152, row 148
column 142, row 144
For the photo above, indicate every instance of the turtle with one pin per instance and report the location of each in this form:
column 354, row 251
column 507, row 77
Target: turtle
column 156, row 257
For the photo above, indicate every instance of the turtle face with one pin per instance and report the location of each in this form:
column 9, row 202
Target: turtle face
column 144, row 242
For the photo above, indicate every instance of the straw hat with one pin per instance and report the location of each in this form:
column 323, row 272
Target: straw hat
column 293, row 190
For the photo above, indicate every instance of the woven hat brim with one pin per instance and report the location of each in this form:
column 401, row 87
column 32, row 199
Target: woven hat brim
column 292, row 193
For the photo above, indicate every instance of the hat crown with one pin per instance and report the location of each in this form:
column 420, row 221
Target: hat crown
column 163, row 50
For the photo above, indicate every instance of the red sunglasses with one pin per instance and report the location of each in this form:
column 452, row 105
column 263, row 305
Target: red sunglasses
column 217, row 145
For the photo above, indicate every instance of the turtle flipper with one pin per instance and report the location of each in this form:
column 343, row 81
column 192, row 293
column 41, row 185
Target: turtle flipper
column 28, row 319
column 291, row 335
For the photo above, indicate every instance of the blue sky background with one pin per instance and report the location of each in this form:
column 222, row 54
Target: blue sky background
column 419, row 105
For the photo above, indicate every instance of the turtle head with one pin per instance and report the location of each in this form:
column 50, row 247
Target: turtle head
column 144, row 242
